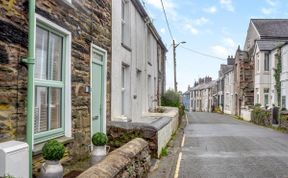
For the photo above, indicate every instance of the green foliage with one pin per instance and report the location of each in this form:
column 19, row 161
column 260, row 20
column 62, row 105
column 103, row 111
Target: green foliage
column 170, row 98
column 124, row 138
column 181, row 109
column 53, row 150
column 218, row 110
column 164, row 152
column 9, row 176
column 277, row 76
column 260, row 116
column 239, row 118
column 99, row 139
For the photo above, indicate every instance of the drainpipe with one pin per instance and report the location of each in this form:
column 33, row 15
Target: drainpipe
column 30, row 61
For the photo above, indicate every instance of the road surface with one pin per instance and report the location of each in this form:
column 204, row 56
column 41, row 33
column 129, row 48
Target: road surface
column 219, row 146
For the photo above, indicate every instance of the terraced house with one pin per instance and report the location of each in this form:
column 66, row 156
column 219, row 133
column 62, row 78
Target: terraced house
column 60, row 70
column 55, row 73
column 263, row 36
column 138, row 65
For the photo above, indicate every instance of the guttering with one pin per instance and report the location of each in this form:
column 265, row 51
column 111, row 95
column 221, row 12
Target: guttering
column 30, row 61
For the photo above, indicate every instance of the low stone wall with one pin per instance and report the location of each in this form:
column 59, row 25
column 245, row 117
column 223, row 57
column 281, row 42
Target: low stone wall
column 131, row 160
column 157, row 133
column 261, row 116
column 284, row 120
column 246, row 114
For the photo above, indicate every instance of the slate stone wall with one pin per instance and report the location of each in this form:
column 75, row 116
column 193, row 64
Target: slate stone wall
column 89, row 22
column 131, row 160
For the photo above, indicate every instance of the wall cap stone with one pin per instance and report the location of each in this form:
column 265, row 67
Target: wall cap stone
column 116, row 160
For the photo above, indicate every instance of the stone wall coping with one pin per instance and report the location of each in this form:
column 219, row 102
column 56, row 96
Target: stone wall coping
column 169, row 112
column 155, row 125
column 116, row 161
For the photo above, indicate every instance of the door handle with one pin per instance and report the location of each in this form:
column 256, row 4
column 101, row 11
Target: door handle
column 95, row 118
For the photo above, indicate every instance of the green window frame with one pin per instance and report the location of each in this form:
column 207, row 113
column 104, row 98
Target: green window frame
column 50, row 84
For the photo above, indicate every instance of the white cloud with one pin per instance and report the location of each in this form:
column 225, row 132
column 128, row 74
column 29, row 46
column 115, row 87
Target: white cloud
column 162, row 30
column 227, row 4
column 167, row 4
column 267, row 11
column 211, row 10
column 220, row 51
column 191, row 29
column 229, row 42
column 201, row 21
column 271, row 2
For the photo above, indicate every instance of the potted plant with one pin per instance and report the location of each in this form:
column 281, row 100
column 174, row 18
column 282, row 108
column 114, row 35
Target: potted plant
column 52, row 152
column 99, row 141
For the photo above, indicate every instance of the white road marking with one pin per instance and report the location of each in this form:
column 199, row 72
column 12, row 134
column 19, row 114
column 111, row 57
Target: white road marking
column 178, row 165
column 183, row 140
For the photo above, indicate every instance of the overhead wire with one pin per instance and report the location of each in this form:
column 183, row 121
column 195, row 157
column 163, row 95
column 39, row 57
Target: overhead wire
column 203, row 54
column 166, row 19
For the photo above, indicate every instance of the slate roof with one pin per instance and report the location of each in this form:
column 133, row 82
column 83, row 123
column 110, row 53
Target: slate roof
column 271, row 28
column 266, row 45
column 204, row 85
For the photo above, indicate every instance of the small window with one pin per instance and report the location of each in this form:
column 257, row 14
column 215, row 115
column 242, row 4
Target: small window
column 283, row 101
column 125, row 25
column 266, row 99
column 149, row 47
column 266, row 90
column 123, row 89
column 266, row 62
column 257, row 64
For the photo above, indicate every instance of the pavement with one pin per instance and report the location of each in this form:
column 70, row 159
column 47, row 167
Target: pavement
column 218, row 146
column 165, row 167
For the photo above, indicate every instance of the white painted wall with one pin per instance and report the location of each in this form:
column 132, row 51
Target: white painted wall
column 229, row 93
column 284, row 74
column 262, row 78
column 136, row 59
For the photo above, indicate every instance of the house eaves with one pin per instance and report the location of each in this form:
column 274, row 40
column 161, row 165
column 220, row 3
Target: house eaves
column 148, row 21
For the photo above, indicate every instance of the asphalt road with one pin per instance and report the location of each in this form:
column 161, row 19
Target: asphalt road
column 218, row 146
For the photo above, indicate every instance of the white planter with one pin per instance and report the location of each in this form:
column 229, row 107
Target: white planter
column 98, row 153
column 51, row 169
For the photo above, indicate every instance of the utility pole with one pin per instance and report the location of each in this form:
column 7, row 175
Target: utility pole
column 174, row 61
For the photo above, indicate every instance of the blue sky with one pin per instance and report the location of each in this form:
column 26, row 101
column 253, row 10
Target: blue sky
column 214, row 27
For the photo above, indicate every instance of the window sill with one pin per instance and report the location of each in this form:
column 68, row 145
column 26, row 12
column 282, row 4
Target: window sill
column 126, row 47
column 38, row 147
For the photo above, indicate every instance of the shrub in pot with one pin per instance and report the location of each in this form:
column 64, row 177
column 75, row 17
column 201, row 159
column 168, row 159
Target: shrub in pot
column 52, row 152
column 99, row 141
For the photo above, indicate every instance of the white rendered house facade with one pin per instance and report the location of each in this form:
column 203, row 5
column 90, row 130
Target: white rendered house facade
column 135, row 61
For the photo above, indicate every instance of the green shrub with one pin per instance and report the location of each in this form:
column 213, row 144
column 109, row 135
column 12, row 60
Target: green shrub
column 170, row 98
column 99, row 139
column 218, row 109
column 260, row 116
column 164, row 152
column 181, row 110
column 53, row 150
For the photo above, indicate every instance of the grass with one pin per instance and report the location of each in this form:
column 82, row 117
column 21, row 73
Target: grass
column 164, row 152
column 238, row 118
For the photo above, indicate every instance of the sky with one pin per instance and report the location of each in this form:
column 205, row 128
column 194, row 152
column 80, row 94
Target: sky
column 213, row 27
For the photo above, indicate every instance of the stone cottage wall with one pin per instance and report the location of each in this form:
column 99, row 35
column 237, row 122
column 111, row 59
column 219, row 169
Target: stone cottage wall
column 131, row 160
column 88, row 21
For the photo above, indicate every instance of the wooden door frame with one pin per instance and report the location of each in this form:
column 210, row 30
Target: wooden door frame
column 104, row 88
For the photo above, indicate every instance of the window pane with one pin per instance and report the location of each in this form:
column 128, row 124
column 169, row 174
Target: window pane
column 55, row 107
column 41, row 53
column 41, row 109
column 55, row 63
